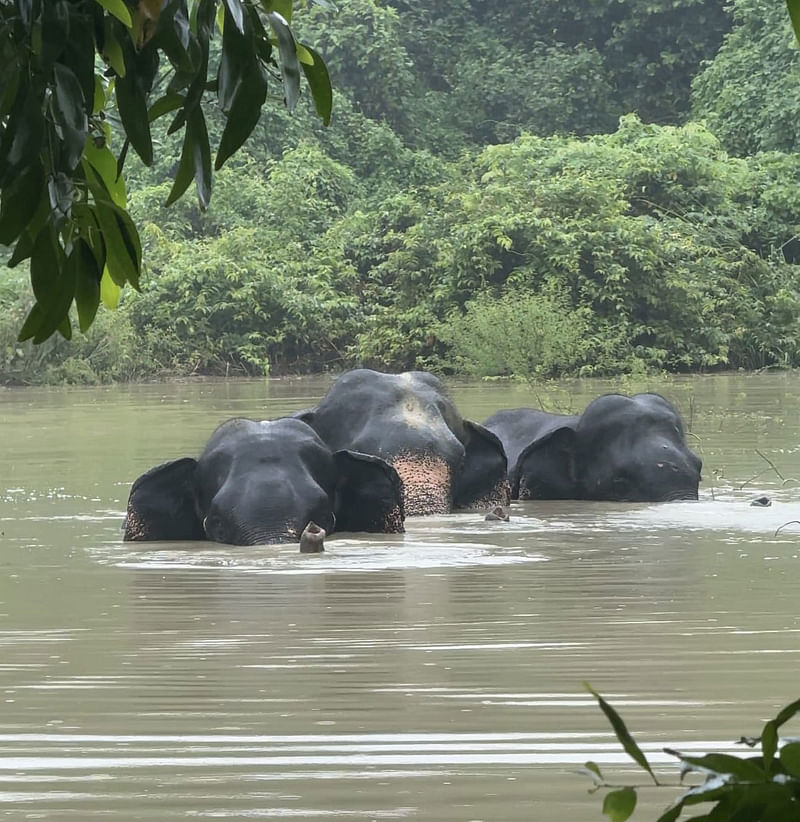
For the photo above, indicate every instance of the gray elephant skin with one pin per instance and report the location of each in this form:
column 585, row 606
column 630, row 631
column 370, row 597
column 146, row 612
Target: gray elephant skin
column 444, row 461
column 262, row 483
column 630, row 449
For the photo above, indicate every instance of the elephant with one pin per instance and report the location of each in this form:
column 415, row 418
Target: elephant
column 264, row 482
column 444, row 461
column 627, row 449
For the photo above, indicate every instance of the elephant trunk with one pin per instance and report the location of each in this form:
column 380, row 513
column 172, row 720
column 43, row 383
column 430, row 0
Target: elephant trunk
column 427, row 483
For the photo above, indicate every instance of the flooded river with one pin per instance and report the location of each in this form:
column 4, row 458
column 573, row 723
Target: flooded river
column 435, row 675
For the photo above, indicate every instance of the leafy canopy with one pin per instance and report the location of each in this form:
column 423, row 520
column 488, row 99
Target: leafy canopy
column 76, row 71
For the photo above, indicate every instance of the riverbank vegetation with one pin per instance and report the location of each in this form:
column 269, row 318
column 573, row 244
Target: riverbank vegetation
column 762, row 786
column 500, row 193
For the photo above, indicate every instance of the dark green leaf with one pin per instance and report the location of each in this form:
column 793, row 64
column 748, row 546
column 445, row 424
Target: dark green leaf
column 31, row 325
column 87, row 286
column 23, row 136
column 319, row 82
column 201, row 156
column 785, row 714
column 64, row 328
column 243, row 116
column 769, row 744
column 619, row 805
column 19, row 202
column 626, row 740
column 742, row 769
column 234, row 8
column 69, row 113
column 671, row 813
column 236, row 61
column 290, row 65
column 53, row 279
column 45, row 264
column 185, row 173
column 55, row 31
column 10, row 89
column 790, row 758
column 132, row 105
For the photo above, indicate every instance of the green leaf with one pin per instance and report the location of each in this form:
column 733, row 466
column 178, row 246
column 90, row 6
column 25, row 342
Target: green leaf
column 201, row 156
column 626, row 740
column 55, row 31
column 132, row 105
column 769, row 744
column 290, row 65
column 169, row 102
column 185, row 173
column 105, row 164
column 742, row 770
column 31, row 325
column 87, row 285
column 53, row 280
column 112, row 50
column 121, row 260
column 594, row 771
column 99, row 101
column 790, row 758
column 69, row 112
column 118, row 9
column 785, row 714
column 19, row 202
column 319, row 82
column 109, row 290
column 64, row 328
column 619, row 805
column 283, row 7
column 22, row 138
column 236, row 12
column 243, row 116
column 794, row 15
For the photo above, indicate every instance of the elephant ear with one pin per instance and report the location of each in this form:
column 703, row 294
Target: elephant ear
column 546, row 469
column 161, row 505
column 369, row 495
column 482, row 481
column 306, row 415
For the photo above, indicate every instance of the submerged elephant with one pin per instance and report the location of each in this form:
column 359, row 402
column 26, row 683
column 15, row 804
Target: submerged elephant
column 263, row 482
column 621, row 448
column 443, row 460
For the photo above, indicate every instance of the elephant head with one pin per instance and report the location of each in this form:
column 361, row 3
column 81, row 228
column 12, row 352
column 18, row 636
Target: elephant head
column 621, row 448
column 443, row 460
column 263, row 482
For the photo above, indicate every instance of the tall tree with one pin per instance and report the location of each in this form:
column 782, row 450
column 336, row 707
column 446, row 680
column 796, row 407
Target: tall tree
column 79, row 73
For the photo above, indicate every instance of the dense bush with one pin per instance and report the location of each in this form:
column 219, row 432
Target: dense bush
column 748, row 94
column 670, row 246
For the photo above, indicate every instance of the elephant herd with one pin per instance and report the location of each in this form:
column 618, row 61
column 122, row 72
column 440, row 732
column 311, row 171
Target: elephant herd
column 381, row 447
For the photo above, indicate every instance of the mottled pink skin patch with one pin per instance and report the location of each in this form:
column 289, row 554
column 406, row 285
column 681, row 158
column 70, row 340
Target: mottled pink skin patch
column 427, row 484
column 135, row 530
column 499, row 495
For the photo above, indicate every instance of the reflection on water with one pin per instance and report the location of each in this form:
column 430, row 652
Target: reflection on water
column 431, row 675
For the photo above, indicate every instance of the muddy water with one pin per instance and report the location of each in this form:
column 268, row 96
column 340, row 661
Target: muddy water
column 430, row 676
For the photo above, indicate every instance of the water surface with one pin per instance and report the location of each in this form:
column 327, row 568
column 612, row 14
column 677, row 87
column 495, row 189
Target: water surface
column 431, row 675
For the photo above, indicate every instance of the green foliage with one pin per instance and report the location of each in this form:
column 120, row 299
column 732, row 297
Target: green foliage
column 740, row 789
column 747, row 94
column 63, row 200
column 666, row 245
column 516, row 334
